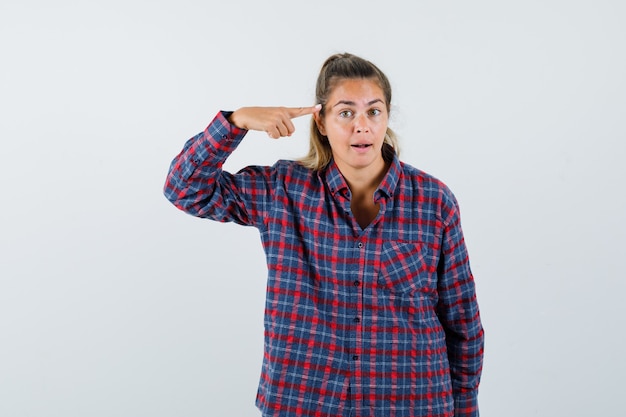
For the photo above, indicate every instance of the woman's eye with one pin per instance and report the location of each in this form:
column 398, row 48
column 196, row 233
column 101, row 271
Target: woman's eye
column 345, row 113
column 375, row 112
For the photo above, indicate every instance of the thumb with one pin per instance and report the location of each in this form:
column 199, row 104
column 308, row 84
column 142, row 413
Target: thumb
column 303, row 111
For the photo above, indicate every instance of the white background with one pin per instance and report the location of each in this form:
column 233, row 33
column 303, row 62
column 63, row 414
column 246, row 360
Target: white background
column 114, row 303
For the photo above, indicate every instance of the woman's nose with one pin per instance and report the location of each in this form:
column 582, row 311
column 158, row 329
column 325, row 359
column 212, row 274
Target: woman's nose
column 360, row 124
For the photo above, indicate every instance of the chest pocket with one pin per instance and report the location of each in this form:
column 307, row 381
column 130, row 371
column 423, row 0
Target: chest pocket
column 407, row 267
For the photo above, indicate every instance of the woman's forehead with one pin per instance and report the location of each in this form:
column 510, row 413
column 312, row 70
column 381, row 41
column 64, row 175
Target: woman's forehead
column 356, row 91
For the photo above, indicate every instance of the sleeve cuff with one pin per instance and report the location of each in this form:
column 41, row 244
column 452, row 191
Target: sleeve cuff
column 466, row 405
column 208, row 150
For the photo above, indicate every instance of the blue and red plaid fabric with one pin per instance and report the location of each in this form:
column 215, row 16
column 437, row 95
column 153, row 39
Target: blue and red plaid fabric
column 381, row 322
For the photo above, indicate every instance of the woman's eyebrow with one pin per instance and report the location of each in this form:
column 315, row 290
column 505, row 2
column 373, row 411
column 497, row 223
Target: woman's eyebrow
column 352, row 103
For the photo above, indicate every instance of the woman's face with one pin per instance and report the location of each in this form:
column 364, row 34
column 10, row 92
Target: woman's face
column 355, row 122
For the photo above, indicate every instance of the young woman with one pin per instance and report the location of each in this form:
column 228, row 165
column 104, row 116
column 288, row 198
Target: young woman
column 371, row 307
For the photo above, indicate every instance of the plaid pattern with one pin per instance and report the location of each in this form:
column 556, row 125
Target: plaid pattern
column 381, row 322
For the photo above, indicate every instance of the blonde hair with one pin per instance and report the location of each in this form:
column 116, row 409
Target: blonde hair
column 336, row 68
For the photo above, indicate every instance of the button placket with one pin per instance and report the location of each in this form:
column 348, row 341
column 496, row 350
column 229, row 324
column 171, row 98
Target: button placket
column 357, row 283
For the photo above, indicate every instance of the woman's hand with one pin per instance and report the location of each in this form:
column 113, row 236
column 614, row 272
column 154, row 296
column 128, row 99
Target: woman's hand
column 276, row 121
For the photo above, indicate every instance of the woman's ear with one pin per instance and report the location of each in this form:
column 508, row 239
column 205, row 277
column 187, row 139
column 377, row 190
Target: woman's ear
column 319, row 121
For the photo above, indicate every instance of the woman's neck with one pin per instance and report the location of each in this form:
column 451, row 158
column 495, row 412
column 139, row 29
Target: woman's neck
column 362, row 188
column 362, row 182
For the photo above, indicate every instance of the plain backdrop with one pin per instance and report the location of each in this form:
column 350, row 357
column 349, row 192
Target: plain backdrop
column 114, row 303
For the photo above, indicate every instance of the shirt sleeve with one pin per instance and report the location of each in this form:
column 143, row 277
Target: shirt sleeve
column 459, row 314
column 197, row 185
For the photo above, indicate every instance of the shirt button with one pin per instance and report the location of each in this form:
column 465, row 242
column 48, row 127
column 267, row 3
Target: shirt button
column 355, row 357
column 360, row 245
column 357, row 283
column 356, row 319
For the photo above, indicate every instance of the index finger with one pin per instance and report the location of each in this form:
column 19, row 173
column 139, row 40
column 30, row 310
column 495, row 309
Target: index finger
column 302, row 111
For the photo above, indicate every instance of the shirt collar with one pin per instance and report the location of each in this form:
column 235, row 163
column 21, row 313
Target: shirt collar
column 390, row 181
column 337, row 183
